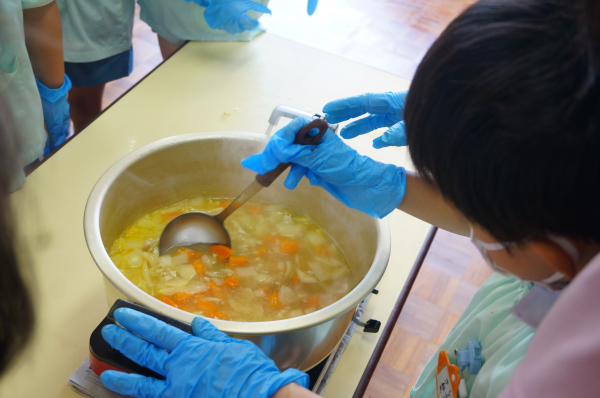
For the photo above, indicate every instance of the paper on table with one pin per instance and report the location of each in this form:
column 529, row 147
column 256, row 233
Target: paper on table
column 86, row 383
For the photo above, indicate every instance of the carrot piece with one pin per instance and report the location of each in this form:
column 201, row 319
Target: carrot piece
column 271, row 239
column 219, row 315
column 296, row 279
column 313, row 301
column 173, row 214
column 261, row 251
column 236, row 261
column 167, row 300
column 182, row 296
column 224, row 204
column 222, row 252
column 254, row 209
column 206, row 306
column 232, row 281
column 199, row 267
column 322, row 251
column 288, row 246
column 274, row 300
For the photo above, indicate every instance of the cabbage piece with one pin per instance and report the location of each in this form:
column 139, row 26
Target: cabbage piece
column 180, row 259
column 305, row 278
column 245, row 272
column 133, row 259
column 289, row 230
column 207, row 260
column 295, row 313
column 194, row 287
column 146, row 275
column 318, row 270
column 133, row 244
column 152, row 259
column 315, row 238
column 287, row 296
column 176, row 282
column 165, row 261
column 263, row 277
column 186, row 272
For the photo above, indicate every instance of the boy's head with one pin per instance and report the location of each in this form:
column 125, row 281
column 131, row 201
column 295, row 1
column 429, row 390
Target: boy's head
column 504, row 116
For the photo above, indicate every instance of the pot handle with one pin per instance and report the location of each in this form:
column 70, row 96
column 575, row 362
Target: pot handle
column 302, row 138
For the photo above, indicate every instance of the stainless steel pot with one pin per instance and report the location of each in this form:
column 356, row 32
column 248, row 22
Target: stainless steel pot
column 208, row 164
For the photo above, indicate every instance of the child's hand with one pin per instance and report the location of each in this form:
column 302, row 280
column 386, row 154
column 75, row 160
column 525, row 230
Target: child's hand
column 230, row 15
column 386, row 110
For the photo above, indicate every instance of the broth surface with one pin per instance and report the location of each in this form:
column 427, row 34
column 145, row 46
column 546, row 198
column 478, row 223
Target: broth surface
column 281, row 264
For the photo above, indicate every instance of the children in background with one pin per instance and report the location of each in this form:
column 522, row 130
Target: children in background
column 97, row 49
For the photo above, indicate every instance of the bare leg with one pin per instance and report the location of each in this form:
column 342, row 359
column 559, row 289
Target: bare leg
column 166, row 47
column 86, row 104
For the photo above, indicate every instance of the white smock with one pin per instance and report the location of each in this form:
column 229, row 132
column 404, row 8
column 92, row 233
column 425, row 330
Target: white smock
column 178, row 21
column 95, row 29
column 22, row 106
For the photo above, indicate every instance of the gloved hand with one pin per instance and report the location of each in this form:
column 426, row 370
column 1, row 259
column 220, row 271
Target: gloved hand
column 355, row 180
column 312, row 6
column 387, row 110
column 207, row 364
column 56, row 113
column 230, row 15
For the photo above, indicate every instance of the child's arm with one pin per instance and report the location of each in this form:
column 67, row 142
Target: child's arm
column 43, row 38
column 424, row 201
column 293, row 390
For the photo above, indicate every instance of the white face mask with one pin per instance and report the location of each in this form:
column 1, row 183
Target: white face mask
column 556, row 281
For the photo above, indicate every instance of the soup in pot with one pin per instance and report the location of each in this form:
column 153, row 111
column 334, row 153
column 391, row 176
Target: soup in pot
column 281, row 264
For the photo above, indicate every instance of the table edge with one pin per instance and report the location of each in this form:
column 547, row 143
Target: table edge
column 361, row 388
column 35, row 165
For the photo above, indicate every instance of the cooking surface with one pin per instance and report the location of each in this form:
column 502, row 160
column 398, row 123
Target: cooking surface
column 198, row 89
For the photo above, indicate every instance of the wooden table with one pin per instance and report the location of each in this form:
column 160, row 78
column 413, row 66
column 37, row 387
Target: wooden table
column 203, row 87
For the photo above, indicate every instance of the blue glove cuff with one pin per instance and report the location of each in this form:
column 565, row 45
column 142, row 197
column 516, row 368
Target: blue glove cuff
column 286, row 377
column 53, row 94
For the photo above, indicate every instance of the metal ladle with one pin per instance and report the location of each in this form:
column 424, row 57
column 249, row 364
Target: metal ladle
column 195, row 230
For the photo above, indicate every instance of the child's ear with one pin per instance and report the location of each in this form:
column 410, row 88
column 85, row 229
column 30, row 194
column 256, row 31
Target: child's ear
column 555, row 256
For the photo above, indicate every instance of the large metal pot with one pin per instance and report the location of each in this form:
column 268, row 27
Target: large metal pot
column 208, row 164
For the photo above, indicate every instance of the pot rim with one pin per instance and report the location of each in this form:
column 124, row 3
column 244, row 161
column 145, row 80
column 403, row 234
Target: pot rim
column 91, row 223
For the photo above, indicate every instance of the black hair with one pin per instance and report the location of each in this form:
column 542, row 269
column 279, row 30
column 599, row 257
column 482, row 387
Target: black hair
column 503, row 117
column 16, row 307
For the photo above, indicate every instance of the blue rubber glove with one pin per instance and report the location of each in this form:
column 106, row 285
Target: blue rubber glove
column 208, row 364
column 230, row 15
column 386, row 109
column 312, row 6
column 355, row 180
column 56, row 113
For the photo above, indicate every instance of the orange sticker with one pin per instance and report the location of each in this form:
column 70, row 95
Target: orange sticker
column 447, row 377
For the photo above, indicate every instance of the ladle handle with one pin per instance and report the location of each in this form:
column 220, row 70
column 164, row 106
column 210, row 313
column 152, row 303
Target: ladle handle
column 302, row 138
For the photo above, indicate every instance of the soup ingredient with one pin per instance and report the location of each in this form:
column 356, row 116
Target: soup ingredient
column 281, row 264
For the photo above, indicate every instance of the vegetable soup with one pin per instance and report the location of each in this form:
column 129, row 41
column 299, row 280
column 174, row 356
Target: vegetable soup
column 281, row 264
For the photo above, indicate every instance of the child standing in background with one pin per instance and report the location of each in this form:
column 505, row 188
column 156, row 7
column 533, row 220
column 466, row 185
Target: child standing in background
column 33, row 84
